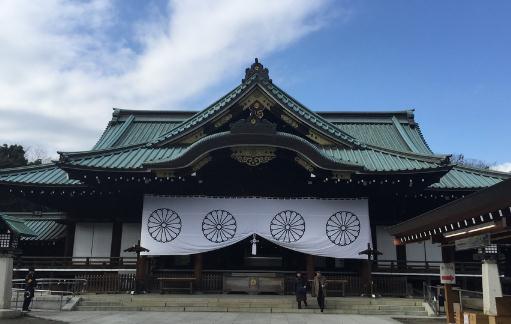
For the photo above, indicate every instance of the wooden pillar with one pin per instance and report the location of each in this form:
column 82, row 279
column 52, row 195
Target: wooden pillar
column 401, row 256
column 115, row 246
column 365, row 274
column 310, row 264
column 141, row 274
column 197, row 269
column 450, row 296
column 70, row 239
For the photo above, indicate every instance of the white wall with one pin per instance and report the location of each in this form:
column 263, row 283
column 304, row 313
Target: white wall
column 130, row 236
column 415, row 251
column 92, row 240
column 385, row 244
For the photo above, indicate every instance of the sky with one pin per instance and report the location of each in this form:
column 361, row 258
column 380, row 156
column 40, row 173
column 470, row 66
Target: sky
column 65, row 64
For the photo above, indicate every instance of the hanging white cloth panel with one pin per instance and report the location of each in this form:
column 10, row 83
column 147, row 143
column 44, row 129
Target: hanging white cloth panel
column 337, row 228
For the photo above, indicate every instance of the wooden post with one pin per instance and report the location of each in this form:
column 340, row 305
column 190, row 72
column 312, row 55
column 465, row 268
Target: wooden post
column 310, row 265
column 141, row 274
column 401, row 256
column 197, row 270
column 365, row 274
column 70, row 239
column 450, row 296
column 115, row 246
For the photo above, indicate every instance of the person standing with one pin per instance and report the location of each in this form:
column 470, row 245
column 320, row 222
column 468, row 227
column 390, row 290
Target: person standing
column 319, row 287
column 301, row 290
column 30, row 283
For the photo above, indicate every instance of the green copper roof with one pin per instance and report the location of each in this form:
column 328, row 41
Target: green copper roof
column 376, row 141
column 45, row 230
column 294, row 107
column 131, row 158
column 462, row 177
column 382, row 132
column 135, row 133
column 383, row 135
column 369, row 159
column 381, row 161
column 17, row 225
column 46, row 174
column 207, row 113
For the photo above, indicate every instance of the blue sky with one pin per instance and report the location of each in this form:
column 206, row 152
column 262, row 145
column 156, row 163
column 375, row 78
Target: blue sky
column 448, row 60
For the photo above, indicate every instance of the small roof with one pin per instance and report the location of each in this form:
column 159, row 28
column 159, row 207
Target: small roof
column 482, row 206
column 17, row 225
column 45, row 230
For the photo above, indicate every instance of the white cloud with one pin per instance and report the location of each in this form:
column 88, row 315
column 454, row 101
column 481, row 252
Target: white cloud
column 61, row 70
column 504, row 167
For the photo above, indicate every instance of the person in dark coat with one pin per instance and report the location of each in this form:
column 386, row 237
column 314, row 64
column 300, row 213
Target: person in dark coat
column 319, row 289
column 30, row 283
column 301, row 289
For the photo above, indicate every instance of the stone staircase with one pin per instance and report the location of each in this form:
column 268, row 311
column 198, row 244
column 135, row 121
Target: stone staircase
column 252, row 304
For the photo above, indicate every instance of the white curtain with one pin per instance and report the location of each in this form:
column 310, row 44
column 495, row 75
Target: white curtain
column 336, row 228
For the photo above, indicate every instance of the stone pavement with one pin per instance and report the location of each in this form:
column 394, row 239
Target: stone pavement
column 209, row 317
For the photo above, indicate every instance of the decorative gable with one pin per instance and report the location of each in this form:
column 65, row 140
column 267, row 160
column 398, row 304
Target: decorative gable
column 254, row 101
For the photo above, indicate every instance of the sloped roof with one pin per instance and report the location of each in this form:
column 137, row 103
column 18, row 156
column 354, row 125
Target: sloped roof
column 373, row 128
column 45, row 230
column 463, row 177
column 17, row 225
column 45, row 174
column 378, row 141
column 494, row 199
column 460, row 177
column 369, row 157
column 130, row 158
column 135, row 157
column 45, row 227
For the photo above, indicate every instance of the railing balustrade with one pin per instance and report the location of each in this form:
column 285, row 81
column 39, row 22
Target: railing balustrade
column 75, row 262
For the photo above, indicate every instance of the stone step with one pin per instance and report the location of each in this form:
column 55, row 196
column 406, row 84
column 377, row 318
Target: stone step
column 254, row 304
column 233, row 304
column 272, row 301
column 251, row 310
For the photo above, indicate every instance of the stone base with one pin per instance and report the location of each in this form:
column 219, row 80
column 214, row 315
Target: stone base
column 9, row 313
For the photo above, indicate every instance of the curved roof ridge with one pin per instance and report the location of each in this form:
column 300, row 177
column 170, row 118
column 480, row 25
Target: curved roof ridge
column 419, row 130
column 215, row 135
column 332, row 129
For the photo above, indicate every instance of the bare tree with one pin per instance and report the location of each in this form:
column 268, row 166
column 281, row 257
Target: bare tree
column 461, row 159
column 37, row 155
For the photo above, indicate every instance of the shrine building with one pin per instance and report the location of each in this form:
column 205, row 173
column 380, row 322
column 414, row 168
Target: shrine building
column 254, row 182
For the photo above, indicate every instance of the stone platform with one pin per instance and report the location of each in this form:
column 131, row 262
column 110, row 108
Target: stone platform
column 250, row 304
column 9, row 313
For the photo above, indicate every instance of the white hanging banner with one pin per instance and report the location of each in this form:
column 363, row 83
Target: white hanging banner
column 337, row 228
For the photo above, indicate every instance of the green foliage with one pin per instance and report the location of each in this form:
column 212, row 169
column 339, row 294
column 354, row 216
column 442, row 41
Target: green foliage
column 12, row 156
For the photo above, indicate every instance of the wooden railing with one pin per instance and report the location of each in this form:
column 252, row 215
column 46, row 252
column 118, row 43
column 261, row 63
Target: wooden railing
column 426, row 267
column 384, row 266
column 75, row 262
column 212, row 282
column 108, row 282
